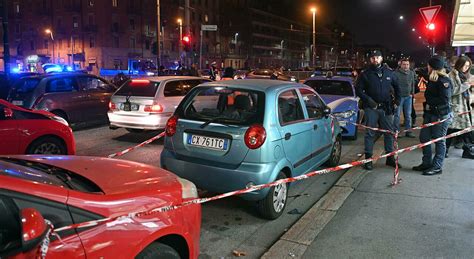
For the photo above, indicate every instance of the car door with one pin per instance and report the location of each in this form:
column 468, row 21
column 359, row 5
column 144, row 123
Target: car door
column 9, row 132
column 295, row 131
column 70, row 245
column 320, row 136
column 98, row 93
column 62, row 94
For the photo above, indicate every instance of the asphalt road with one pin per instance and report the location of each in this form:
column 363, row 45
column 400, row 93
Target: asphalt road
column 227, row 225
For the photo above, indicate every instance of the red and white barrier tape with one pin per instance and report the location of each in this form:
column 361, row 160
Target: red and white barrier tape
column 121, row 153
column 415, row 128
column 261, row 186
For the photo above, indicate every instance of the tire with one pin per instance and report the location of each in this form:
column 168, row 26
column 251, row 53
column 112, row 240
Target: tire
column 158, row 251
column 47, row 146
column 134, row 130
column 266, row 207
column 335, row 153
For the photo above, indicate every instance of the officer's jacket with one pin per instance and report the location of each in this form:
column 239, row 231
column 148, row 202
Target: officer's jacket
column 439, row 93
column 379, row 85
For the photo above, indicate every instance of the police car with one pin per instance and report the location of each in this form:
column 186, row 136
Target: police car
column 339, row 94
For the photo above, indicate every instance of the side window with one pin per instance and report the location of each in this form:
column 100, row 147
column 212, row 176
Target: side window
column 289, row 107
column 92, row 84
column 10, row 229
column 180, row 88
column 2, row 113
column 314, row 105
column 60, row 85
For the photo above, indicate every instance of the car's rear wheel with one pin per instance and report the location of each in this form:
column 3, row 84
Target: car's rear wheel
column 273, row 205
column 47, row 146
column 158, row 251
column 335, row 153
column 134, row 130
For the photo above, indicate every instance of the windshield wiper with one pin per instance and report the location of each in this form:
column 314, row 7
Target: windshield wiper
column 213, row 120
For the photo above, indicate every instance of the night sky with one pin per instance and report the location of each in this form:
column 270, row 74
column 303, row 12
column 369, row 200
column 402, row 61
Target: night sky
column 374, row 21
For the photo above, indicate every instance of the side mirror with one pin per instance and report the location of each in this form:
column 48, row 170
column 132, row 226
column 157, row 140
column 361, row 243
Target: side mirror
column 326, row 112
column 8, row 113
column 34, row 229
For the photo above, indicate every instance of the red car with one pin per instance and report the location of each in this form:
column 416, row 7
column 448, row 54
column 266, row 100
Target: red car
column 74, row 189
column 24, row 131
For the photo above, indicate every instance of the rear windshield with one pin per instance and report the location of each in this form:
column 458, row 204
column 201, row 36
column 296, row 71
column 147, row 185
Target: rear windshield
column 331, row 87
column 137, row 87
column 26, row 85
column 224, row 105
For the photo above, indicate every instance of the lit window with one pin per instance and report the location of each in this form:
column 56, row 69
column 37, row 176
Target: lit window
column 114, row 3
column 75, row 23
column 91, row 3
column 17, row 7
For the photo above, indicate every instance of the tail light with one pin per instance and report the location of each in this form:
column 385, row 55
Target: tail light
column 255, row 136
column 112, row 106
column 171, row 125
column 155, row 108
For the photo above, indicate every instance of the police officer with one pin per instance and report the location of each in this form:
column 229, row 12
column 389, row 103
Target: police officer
column 379, row 92
column 437, row 107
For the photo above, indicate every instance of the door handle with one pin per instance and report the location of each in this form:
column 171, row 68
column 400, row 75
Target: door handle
column 287, row 136
column 315, row 127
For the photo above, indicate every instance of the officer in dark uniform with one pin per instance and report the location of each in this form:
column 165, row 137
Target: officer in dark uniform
column 437, row 107
column 379, row 92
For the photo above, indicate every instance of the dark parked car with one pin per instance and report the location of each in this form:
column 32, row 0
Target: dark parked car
column 6, row 84
column 76, row 97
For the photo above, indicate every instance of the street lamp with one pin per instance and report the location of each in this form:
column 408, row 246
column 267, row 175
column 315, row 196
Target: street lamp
column 235, row 41
column 313, row 10
column 50, row 32
column 401, row 17
column 180, row 47
column 413, row 29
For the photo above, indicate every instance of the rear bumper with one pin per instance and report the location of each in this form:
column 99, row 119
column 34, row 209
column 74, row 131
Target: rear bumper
column 221, row 180
column 133, row 121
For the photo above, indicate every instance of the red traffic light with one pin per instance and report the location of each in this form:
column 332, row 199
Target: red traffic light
column 186, row 39
column 431, row 26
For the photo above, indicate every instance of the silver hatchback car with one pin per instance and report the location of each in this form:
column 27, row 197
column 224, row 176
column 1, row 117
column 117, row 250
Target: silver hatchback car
column 147, row 103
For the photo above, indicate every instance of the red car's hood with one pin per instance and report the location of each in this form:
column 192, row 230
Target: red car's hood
column 12, row 106
column 113, row 176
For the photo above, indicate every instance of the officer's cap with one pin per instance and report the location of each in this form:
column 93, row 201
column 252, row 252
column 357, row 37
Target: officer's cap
column 436, row 62
column 375, row 53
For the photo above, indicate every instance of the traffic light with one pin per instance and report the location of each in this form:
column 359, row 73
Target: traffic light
column 431, row 26
column 187, row 43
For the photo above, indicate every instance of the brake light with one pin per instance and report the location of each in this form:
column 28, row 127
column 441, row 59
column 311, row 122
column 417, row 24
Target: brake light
column 255, row 136
column 139, row 82
column 112, row 106
column 153, row 108
column 171, row 125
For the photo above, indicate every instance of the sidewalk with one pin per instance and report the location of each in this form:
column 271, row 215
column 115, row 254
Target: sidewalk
column 424, row 216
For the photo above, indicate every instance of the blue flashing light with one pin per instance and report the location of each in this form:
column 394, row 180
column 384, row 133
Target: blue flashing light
column 69, row 68
column 15, row 70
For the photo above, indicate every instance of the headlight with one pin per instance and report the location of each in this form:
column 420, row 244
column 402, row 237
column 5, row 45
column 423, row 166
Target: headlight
column 345, row 115
column 188, row 188
column 60, row 120
column 293, row 79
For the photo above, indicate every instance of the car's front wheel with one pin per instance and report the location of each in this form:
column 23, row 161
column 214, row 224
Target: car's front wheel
column 47, row 146
column 273, row 205
column 158, row 251
column 335, row 153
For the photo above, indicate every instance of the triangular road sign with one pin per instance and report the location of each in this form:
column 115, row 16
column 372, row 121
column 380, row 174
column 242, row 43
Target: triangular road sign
column 429, row 13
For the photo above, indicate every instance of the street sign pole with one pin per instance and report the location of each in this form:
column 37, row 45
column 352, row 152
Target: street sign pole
column 204, row 27
column 200, row 50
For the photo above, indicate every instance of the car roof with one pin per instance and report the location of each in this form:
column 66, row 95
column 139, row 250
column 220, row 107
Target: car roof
column 167, row 78
column 334, row 78
column 42, row 76
column 253, row 84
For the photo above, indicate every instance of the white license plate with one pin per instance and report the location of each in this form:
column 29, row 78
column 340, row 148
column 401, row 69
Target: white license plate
column 342, row 123
column 18, row 103
column 129, row 107
column 208, row 142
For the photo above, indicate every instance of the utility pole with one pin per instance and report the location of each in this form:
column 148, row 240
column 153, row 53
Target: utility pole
column 158, row 34
column 6, row 44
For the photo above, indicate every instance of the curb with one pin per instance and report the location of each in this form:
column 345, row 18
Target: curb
column 295, row 242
